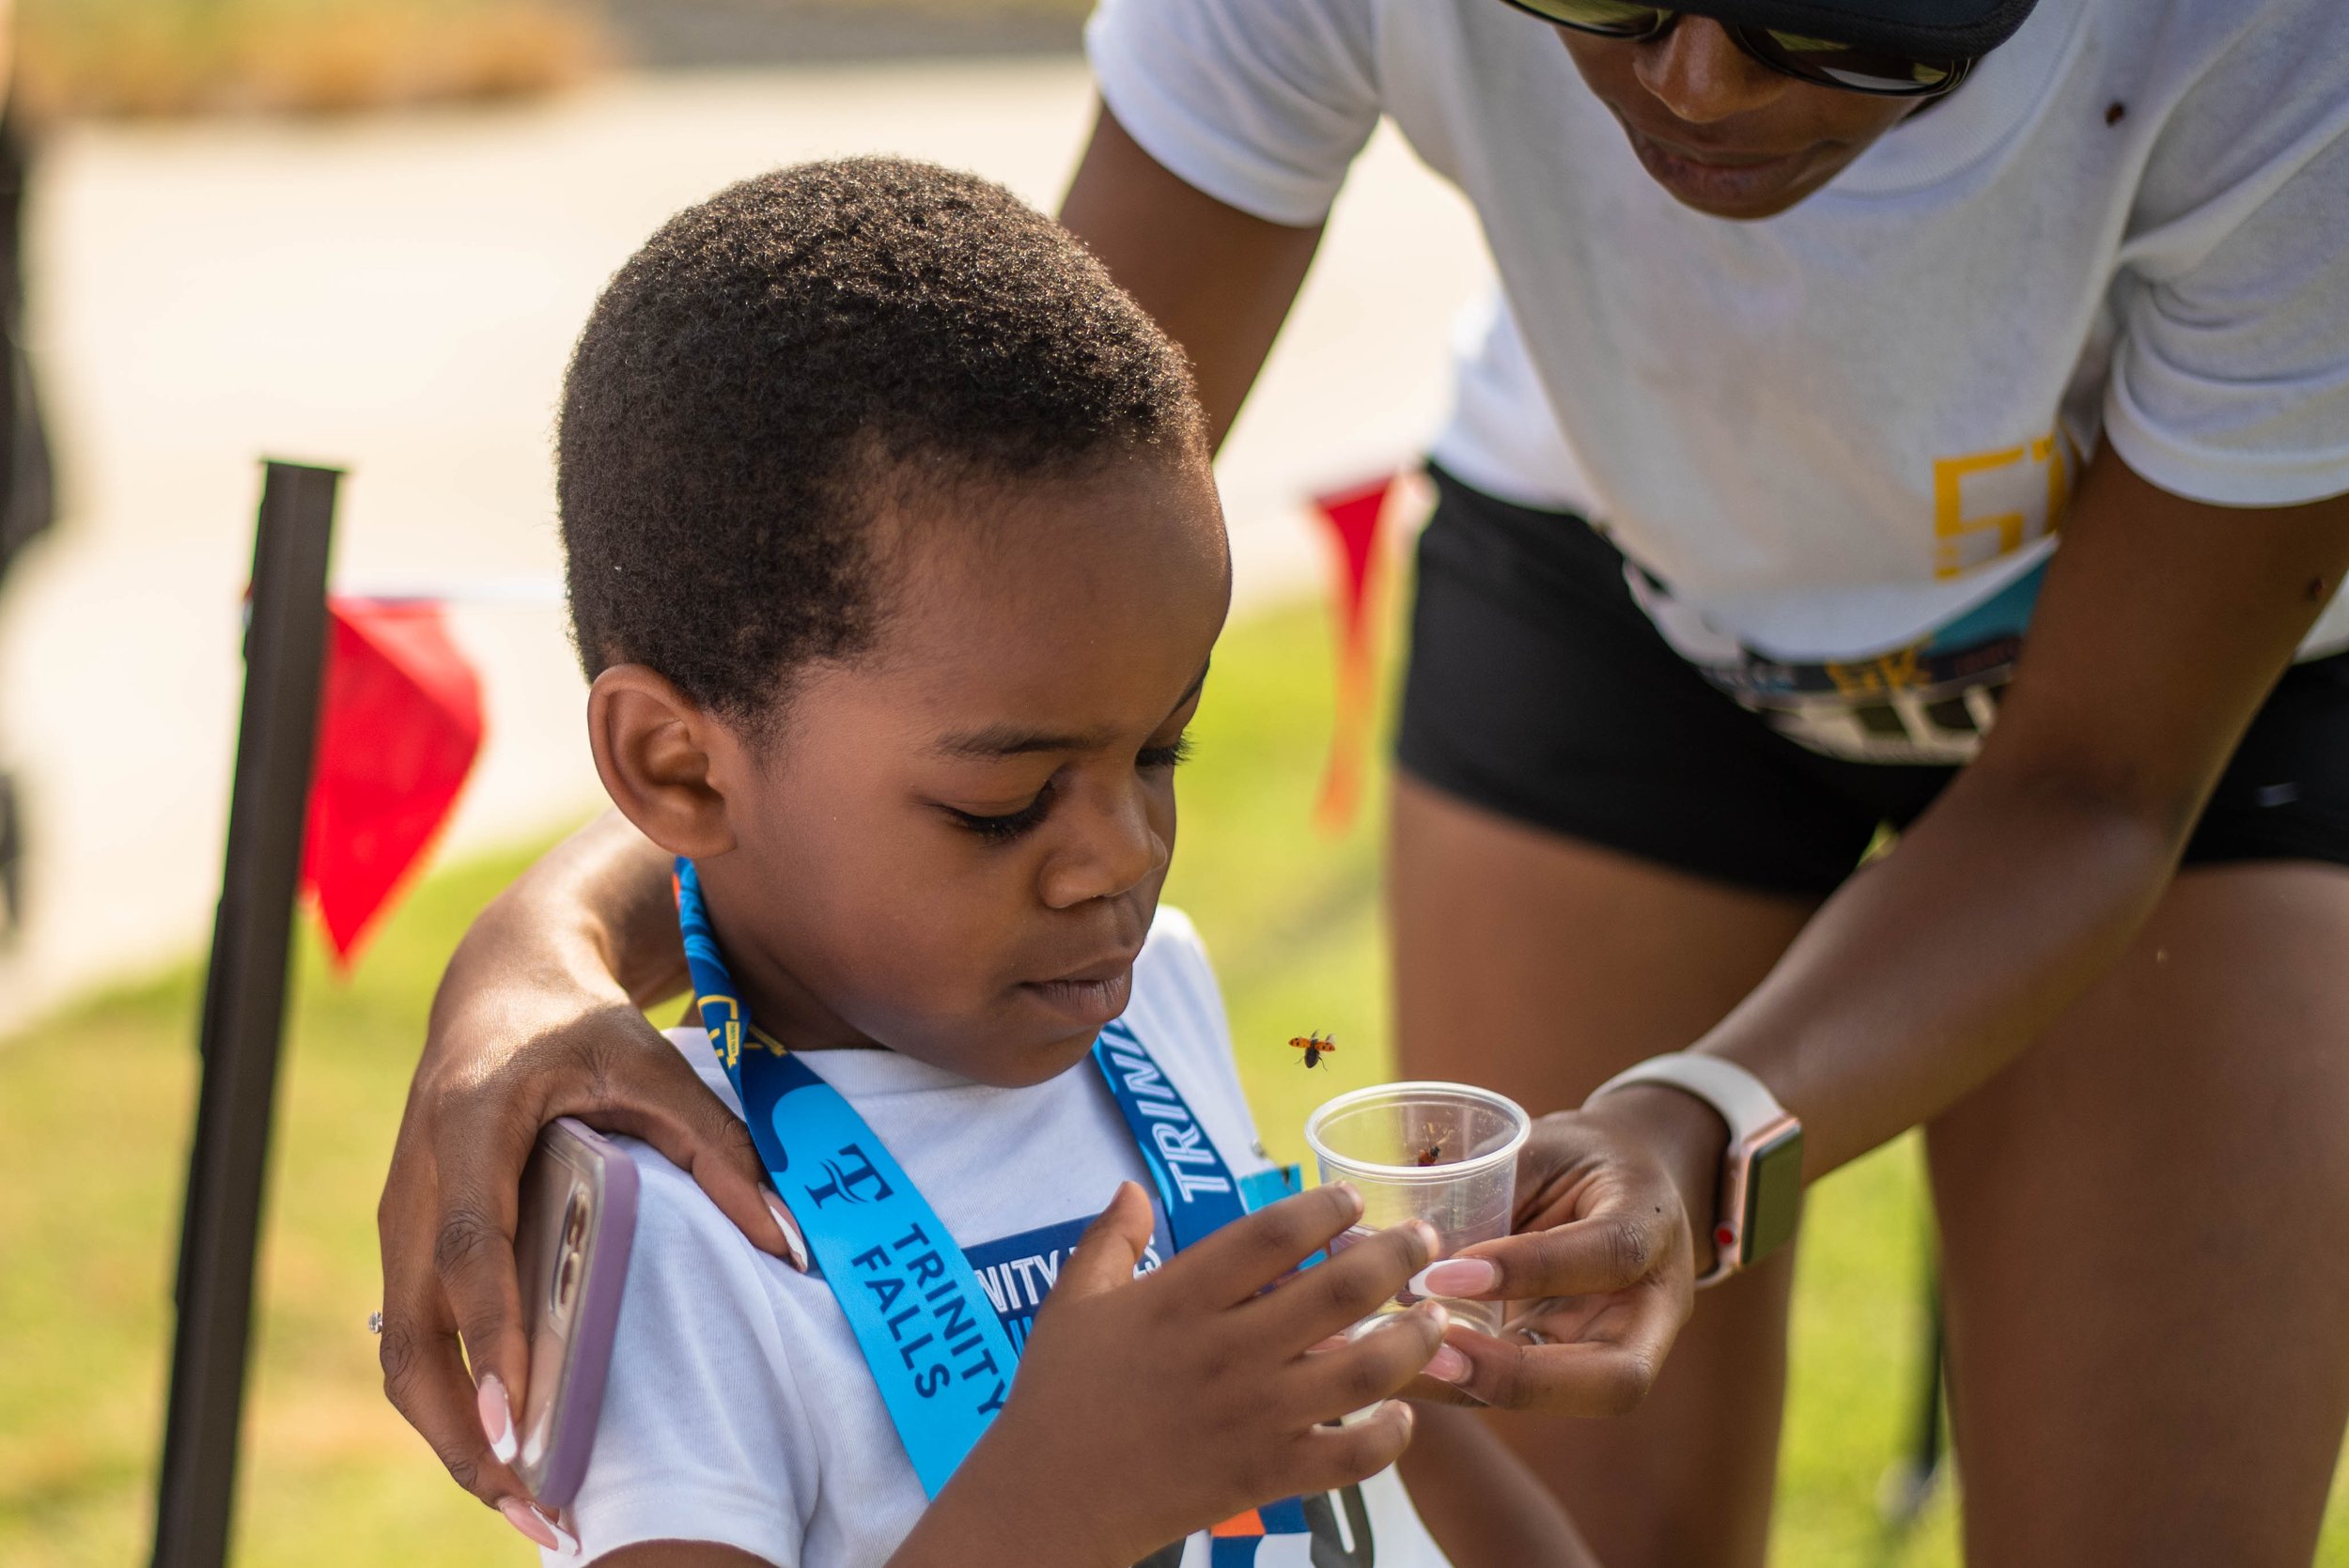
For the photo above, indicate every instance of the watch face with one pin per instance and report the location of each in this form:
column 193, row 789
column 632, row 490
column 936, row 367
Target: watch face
column 1773, row 1195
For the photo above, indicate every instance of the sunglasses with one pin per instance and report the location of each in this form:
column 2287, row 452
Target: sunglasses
column 1821, row 61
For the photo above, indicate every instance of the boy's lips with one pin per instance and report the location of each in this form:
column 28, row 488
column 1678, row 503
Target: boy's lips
column 1092, row 995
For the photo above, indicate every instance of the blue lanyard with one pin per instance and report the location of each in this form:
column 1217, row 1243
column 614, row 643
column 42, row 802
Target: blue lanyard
column 942, row 1358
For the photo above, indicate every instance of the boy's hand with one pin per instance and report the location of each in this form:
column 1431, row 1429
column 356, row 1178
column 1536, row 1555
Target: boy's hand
column 1145, row 1409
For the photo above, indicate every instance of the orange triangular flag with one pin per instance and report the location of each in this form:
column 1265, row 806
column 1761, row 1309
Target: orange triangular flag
column 1355, row 517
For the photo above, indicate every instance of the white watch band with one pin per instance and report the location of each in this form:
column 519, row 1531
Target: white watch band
column 1756, row 1123
column 1744, row 1101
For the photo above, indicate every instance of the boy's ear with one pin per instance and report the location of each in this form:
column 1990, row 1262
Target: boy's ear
column 655, row 753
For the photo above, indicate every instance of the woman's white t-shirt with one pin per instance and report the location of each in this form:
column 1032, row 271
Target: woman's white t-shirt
column 738, row 1409
column 1830, row 432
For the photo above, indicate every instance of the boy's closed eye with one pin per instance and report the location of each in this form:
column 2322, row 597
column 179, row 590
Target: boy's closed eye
column 1002, row 827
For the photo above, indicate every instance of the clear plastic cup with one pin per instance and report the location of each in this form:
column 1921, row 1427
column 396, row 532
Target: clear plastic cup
column 1445, row 1153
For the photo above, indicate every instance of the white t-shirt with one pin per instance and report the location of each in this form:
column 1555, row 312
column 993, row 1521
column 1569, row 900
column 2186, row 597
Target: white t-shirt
column 1832, row 431
column 738, row 1409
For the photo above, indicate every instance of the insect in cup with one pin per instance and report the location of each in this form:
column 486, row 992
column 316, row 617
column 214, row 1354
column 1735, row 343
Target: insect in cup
column 1445, row 1153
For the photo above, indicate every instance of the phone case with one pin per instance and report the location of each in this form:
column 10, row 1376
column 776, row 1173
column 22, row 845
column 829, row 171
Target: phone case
column 571, row 1243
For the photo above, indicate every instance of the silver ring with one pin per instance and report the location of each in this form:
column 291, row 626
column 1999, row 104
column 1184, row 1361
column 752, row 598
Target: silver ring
column 375, row 1321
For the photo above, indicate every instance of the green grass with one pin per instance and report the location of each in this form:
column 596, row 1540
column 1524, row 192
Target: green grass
column 94, row 1111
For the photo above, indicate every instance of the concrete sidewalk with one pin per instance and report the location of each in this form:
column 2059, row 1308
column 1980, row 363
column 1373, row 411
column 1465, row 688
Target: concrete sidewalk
column 398, row 294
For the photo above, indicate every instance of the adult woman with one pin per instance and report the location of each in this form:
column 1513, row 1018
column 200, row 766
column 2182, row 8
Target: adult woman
column 1633, row 793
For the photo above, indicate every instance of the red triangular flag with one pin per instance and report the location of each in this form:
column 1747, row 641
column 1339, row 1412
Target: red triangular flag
column 399, row 724
column 1354, row 517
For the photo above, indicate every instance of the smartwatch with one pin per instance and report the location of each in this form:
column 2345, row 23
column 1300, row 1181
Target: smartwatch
column 1761, row 1191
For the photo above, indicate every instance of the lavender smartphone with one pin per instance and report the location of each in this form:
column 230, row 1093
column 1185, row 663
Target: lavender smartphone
column 570, row 1244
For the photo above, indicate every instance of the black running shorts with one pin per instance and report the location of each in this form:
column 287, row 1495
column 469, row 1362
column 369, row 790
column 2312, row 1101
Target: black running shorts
column 1538, row 690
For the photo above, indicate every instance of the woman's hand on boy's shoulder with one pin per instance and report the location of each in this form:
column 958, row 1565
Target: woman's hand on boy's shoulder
column 1595, row 1282
column 530, row 1024
column 1146, row 1409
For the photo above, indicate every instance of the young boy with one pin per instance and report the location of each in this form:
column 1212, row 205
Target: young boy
column 895, row 561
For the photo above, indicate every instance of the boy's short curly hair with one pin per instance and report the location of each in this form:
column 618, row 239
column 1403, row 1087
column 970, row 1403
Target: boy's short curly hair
column 780, row 361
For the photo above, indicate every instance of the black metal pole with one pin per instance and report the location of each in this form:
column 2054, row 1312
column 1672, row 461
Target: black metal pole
column 1928, row 1461
column 1908, row 1485
column 244, row 1013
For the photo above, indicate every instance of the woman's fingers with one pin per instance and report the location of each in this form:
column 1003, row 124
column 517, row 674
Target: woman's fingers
column 424, row 1375
column 621, row 1075
column 473, row 1259
column 1620, row 1246
column 1240, row 1259
column 1355, row 1282
column 1606, row 1368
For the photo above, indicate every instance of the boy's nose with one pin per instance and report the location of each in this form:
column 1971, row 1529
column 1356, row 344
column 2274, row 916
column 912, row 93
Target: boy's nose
column 1115, row 848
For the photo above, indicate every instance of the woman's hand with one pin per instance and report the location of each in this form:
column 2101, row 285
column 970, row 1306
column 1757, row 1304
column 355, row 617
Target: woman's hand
column 530, row 1024
column 1146, row 1409
column 1601, row 1272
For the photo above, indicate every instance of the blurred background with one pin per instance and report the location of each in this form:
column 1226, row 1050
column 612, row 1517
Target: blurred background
column 363, row 233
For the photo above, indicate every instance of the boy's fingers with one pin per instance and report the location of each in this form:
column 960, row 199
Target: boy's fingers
column 1378, row 1363
column 1328, row 1457
column 1105, row 1255
column 1342, row 1291
column 1237, row 1260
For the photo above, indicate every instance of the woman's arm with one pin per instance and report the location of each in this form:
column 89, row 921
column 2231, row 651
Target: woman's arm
column 1219, row 281
column 2162, row 626
column 540, row 1016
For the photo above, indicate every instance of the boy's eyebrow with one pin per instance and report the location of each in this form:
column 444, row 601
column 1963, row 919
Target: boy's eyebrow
column 1010, row 740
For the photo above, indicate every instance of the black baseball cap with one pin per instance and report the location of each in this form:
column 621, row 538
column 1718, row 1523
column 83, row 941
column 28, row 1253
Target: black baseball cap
column 1918, row 29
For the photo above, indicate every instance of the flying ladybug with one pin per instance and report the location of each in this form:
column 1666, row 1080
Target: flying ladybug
column 1314, row 1047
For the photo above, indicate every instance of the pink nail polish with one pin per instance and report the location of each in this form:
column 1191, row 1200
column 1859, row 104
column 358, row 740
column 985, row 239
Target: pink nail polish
column 791, row 1237
column 1447, row 1365
column 527, row 1520
column 497, row 1417
column 564, row 1542
column 1455, row 1276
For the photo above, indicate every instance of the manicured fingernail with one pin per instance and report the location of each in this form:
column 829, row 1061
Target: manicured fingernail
column 531, row 1522
column 1447, row 1365
column 564, row 1542
column 1455, row 1276
column 497, row 1420
column 791, row 1237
